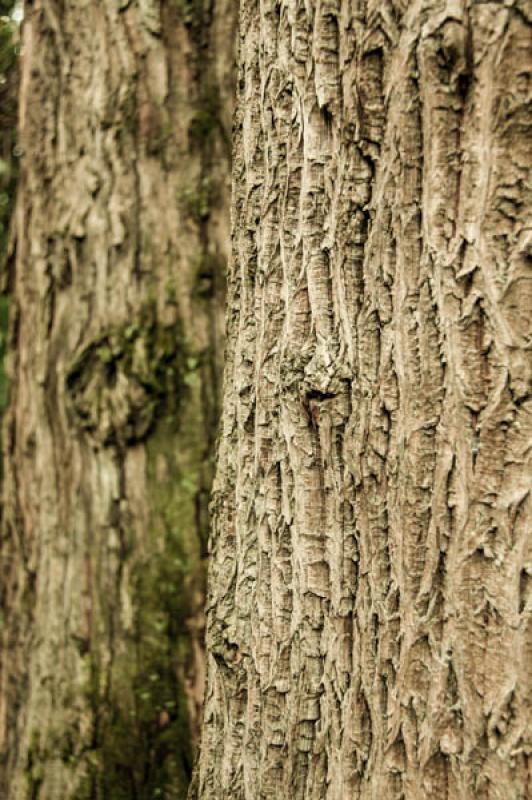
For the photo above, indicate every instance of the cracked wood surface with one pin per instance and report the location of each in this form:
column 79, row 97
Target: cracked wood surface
column 369, row 612
column 116, row 332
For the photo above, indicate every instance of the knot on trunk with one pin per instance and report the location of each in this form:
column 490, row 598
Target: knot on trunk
column 327, row 372
column 121, row 381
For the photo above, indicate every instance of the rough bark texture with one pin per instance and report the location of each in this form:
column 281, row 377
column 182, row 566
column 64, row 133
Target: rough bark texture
column 369, row 618
column 116, row 328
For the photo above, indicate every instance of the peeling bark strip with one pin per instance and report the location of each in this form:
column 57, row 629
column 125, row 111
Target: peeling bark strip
column 369, row 613
column 117, row 289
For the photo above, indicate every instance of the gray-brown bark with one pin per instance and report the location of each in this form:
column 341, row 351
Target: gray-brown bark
column 116, row 329
column 369, row 618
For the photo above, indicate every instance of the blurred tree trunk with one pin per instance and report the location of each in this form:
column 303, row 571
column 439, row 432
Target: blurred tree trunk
column 116, row 289
column 369, row 625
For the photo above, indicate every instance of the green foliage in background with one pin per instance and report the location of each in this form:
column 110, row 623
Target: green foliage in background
column 8, row 117
column 8, row 160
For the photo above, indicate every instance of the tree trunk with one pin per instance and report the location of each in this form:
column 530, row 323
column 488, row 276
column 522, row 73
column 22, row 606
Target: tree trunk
column 369, row 613
column 116, row 330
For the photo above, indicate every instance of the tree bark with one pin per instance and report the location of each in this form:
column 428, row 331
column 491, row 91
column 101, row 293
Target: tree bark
column 369, row 610
column 116, row 304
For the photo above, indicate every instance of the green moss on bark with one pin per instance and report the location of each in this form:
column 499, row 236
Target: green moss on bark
column 125, row 378
column 142, row 740
column 191, row 12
